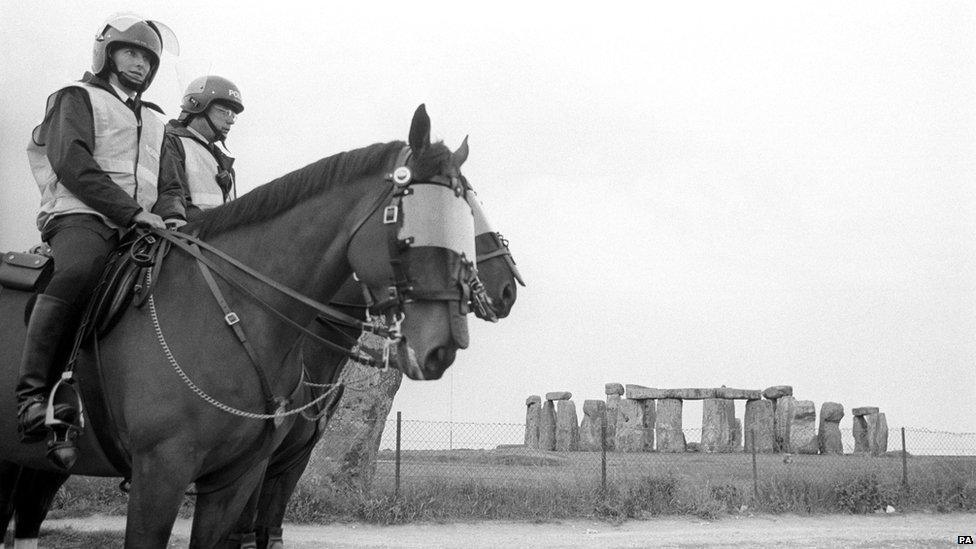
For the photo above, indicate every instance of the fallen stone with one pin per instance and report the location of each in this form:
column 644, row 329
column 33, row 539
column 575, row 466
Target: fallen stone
column 782, row 418
column 670, row 436
column 777, row 391
column 559, row 395
column 637, row 392
column 758, row 426
column 533, row 413
column 716, row 432
column 591, row 429
column 828, row 431
column 741, row 394
column 613, row 389
column 629, row 435
column 547, row 426
column 803, row 428
column 864, row 410
column 567, row 427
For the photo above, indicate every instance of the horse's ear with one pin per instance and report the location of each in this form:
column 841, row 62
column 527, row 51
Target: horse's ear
column 461, row 154
column 420, row 130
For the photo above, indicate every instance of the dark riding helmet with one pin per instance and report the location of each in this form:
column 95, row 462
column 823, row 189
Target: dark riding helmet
column 210, row 89
column 151, row 36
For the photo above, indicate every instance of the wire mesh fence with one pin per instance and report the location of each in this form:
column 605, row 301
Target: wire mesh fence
column 494, row 453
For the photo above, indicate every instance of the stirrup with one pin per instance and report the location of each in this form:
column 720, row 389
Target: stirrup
column 61, row 448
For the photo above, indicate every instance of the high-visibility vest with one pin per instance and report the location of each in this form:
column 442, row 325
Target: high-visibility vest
column 201, row 174
column 129, row 156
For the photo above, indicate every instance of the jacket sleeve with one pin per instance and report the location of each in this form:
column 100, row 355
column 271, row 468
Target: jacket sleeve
column 173, row 186
column 68, row 131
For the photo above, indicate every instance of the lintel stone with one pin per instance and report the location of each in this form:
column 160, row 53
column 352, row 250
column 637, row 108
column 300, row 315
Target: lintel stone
column 743, row 394
column 613, row 389
column 559, row 395
column 865, row 410
column 777, row 391
column 637, row 392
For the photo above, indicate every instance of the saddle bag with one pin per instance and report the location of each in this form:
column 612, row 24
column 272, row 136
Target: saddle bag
column 25, row 271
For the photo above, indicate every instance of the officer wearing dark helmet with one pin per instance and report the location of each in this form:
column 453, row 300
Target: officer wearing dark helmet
column 95, row 158
column 192, row 167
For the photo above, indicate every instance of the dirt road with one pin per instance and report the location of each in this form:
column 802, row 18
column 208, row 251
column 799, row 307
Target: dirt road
column 893, row 530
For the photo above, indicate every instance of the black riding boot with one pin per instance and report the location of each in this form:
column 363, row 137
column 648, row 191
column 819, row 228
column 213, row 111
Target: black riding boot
column 52, row 324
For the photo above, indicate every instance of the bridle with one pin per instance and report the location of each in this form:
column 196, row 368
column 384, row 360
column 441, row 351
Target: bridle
column 403, row 288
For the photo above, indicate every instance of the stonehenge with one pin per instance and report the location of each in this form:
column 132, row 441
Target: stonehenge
column 634, row 418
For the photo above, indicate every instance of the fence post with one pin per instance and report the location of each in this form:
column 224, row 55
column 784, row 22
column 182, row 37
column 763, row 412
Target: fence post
column 603, row 451
column 396, row 486
column 904, row 461
column 755, row 471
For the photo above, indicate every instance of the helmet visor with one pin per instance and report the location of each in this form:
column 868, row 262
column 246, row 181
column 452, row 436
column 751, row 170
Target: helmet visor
column 123, row 21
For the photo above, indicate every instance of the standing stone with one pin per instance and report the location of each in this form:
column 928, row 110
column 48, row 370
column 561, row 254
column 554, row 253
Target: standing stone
column 547, row 426
column 733, row 425
column 591, row 429
column 613, row 389
column 782, row 417
column 533, row 411
column 828, row 432
column 629, row 436
column 613, row 405
column 650, row 416
column 758, row 426
column 567, row 427
column 803, row 428
column 737, row 436
column 880, row 447
column 670, row 436
column 716, row 428
column 861, row 445
column 346, row 454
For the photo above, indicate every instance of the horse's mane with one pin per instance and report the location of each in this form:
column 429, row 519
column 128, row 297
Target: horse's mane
column 283, row 193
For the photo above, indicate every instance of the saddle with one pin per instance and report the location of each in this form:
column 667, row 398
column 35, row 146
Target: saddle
column 123, row 278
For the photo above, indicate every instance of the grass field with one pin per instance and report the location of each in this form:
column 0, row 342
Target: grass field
column 521, row 484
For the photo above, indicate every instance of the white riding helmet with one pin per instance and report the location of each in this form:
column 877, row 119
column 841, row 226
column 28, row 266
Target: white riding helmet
column 152, row 36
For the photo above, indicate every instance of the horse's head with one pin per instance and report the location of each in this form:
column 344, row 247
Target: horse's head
column 496, row 267
column 416, row 254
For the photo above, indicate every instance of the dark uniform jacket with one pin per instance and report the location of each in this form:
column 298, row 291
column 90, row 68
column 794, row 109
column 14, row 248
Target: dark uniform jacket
column 173, row 179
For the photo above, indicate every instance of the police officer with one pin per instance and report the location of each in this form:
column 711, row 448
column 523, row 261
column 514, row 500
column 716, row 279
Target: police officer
column 95, row 158
column 192, row 167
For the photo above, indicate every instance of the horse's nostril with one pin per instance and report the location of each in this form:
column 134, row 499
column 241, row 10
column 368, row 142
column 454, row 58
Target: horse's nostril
column 438, row 360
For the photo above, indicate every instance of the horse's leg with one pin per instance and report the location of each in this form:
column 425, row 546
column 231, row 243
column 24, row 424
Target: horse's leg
column 157, row 489
column 221, row 514
column 278, row 487
column 9, row 473
column 35, row 491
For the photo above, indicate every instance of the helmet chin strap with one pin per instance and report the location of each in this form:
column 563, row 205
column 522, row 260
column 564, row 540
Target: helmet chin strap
column 218, row 135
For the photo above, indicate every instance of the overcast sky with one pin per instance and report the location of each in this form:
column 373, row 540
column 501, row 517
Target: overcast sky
column 697, row 193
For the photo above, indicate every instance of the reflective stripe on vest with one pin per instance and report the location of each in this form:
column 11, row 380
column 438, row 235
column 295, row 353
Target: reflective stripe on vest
column 129, row 157
column 201, row 175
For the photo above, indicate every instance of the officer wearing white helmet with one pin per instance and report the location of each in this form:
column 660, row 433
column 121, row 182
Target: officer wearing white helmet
column 192, row 167
column 95, row 158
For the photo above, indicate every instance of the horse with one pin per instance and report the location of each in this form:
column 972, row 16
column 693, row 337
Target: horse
column 217, row 419
column 496, row 270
